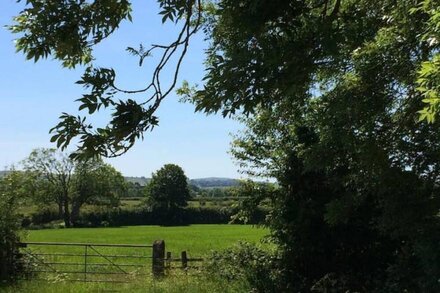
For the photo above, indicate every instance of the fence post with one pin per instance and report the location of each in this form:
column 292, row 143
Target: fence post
column 184, row 258
column 85, row 262
column 158, row 258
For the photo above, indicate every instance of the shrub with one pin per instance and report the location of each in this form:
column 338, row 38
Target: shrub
column 44, row 216
column 142, row 216
column 11, row 261
column 259, row 268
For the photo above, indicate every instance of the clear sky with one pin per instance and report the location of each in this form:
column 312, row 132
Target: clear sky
column 33, row 95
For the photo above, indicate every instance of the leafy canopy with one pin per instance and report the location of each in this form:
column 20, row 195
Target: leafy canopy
column 168, row 188
column 53, row 178
column 332, row 89
column 261, row 51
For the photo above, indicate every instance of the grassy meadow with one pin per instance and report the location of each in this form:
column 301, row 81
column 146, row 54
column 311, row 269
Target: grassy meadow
column 197, row 240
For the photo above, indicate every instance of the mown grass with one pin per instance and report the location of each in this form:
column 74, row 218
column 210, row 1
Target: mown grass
column 197, row 240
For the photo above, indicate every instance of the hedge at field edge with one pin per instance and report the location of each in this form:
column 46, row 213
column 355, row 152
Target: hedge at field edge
column 141, row 216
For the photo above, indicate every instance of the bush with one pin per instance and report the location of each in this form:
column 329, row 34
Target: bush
column 44, row 216
column 11, row 261
column 259, row 268
column 141, row 216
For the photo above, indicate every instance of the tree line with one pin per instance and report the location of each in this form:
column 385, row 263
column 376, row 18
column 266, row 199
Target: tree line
column 49, row 177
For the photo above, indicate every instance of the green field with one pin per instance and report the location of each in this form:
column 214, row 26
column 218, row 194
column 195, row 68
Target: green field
column 197, row 240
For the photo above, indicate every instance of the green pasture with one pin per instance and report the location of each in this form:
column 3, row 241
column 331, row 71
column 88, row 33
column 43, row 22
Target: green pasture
column 197, row 240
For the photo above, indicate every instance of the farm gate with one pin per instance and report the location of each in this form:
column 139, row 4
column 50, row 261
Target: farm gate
column 98, row 262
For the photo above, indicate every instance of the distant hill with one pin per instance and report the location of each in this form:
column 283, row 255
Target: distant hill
column 209, row 182
column 140, row 180
column 3, row 173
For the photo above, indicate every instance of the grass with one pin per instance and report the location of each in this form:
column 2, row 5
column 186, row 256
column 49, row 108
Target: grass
column 197, row 240
column 171, row 284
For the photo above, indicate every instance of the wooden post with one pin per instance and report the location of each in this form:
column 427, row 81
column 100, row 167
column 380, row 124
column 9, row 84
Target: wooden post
column 184, row 260
column 158, row 258
column 168, row 259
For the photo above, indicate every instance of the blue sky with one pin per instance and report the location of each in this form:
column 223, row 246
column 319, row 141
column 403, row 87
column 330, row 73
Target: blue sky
column 33, row 95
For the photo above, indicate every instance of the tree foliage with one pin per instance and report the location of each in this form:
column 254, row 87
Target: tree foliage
column 55, row 178
column 327, row 42
column 11, row 196
column 134, row 189
column 348, row 210
column 429, row 71
column 11, row 192
column 332, row 89
column 52, row 181
column 168, row 188
column 96, row 183
column 68, row 30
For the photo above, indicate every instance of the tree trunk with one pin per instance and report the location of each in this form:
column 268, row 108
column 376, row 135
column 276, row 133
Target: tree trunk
column 75, row 212
column 60, row 209
column 67, row 220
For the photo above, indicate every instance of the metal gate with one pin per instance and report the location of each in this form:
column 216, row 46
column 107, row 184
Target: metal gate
column 89, row 262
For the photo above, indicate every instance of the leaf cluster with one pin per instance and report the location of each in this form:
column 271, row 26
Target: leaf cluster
column 67, row 29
